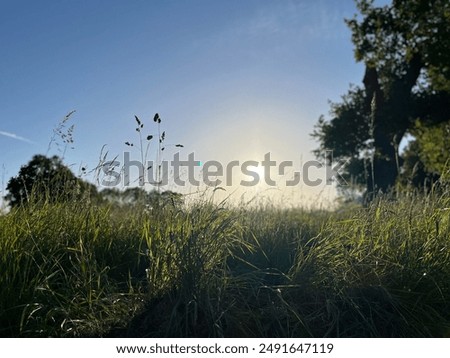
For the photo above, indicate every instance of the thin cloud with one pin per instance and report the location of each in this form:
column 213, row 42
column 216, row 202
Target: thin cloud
column 15, row 136
column 318, row 20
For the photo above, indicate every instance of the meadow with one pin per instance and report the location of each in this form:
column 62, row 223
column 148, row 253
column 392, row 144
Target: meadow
column 79, row 269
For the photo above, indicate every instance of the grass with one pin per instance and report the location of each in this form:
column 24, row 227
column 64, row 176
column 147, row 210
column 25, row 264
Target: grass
column 78, row 269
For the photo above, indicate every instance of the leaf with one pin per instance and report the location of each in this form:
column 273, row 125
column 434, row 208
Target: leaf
column 149, row 137
column 156, row 118
column 179, row 145
column 137, row 120
column 219, row 188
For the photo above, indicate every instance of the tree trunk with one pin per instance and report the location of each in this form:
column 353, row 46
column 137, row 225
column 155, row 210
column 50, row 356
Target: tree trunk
column 391, row 113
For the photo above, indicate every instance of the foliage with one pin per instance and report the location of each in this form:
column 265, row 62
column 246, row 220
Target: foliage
column 414, row 173
column 405, row 50
column 426, row 158
column 434, row 146
column 138, row 196
column 46, row 179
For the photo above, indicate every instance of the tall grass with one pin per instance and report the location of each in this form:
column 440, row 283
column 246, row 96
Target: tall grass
column 81, row 269
column 65, row 270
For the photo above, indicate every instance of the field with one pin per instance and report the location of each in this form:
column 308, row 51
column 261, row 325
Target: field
column 83, row 270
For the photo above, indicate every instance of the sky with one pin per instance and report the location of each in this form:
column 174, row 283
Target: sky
column 231, row 80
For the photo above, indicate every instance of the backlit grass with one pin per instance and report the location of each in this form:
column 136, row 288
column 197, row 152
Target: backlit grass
column 79, row 269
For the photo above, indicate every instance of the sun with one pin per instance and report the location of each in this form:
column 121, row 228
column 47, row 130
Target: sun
column 259, row 171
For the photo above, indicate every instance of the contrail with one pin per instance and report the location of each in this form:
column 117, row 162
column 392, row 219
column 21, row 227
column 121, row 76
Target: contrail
column 15, row 136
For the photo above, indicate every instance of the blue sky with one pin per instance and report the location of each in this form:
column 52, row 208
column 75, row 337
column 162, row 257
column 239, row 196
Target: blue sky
column 230, row 79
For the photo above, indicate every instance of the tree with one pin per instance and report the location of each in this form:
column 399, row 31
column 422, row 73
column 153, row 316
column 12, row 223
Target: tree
column 46, row 179
column 406, row 52
column 138, row 196
column 414, row 173
column 426, row 159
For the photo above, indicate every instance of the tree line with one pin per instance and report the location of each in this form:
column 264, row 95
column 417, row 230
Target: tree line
column 47, row 180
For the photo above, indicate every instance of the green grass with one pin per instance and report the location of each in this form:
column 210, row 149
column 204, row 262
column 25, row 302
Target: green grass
column 79, row 269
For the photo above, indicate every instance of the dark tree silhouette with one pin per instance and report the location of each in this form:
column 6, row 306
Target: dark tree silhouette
column 406, row 51
column 46, row 179
column 140, row 197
